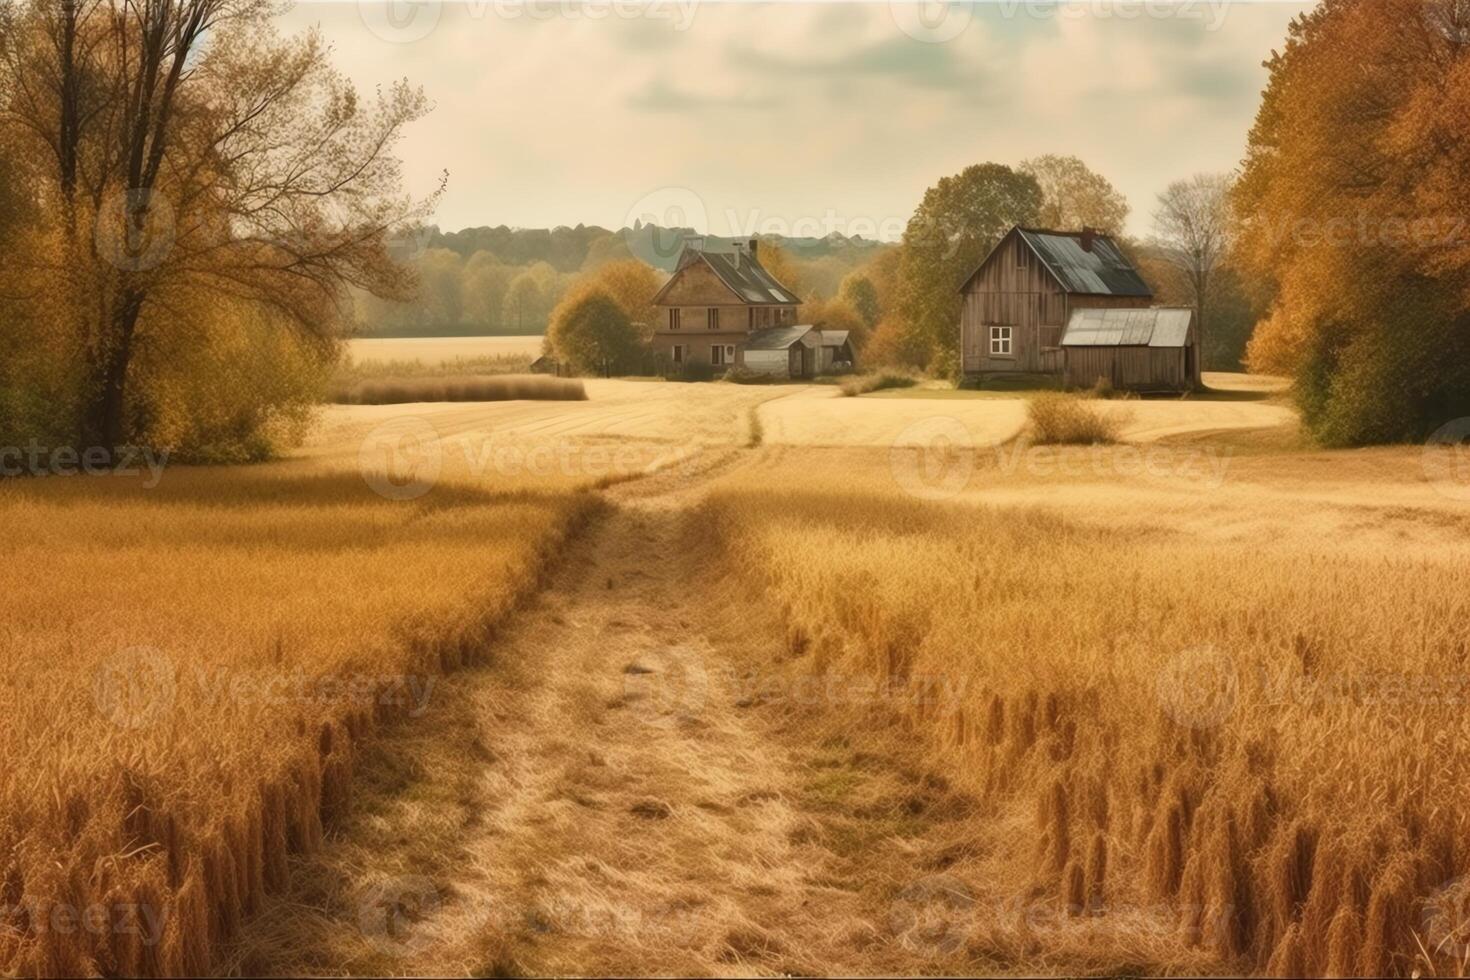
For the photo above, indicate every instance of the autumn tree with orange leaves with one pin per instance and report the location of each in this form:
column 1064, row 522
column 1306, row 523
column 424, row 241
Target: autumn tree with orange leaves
column 1354, row 222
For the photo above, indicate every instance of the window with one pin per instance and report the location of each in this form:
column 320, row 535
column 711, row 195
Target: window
column 673, row 319
column 1000, row 341
column 729, row 353
column 714, row 319
column 678, row 353
column 717, row 354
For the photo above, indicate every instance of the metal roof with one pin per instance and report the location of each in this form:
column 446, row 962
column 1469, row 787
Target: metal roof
column 1100, row 270
column 749, row 279
column 777, row 338
column 1155, row 326
column 833, row 338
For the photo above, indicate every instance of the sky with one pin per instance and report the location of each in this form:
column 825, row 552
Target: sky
column 795, row 118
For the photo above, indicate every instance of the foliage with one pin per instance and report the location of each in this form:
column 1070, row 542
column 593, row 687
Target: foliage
column 193, row 181
column 594, row 335
column 1074, row 197
column 877, row 381
column 957, row 223
column 1061, row 419
column 1192, row 229
column 837, row 314
column 631, row 284
column 893, row 344
column 1351, row 205
column 859, row 293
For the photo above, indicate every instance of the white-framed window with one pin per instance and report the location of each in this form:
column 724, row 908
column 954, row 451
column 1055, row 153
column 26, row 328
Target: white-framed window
column 1000, row 341
column 729, row 353
column 678, row 353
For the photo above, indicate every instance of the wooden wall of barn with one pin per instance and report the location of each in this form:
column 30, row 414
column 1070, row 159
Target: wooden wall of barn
column 1127, row 367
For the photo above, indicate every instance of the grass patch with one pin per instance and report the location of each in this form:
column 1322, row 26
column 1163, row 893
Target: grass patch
column 484, row 388
column 864, row 384
column 352, row 371
column 1067, row 420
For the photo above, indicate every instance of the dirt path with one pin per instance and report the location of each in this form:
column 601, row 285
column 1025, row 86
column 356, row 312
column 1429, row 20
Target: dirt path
column 621, row 792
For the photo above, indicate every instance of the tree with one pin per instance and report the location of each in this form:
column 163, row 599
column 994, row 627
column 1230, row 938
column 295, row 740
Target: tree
column 185, row 158
column 524, row 301
column 1351, row 207
column 632, row 284
column 1075, row 197
column 859, row 292
column 957, row 223
column 838, row 314
column 1192, row 229
column 594, row 335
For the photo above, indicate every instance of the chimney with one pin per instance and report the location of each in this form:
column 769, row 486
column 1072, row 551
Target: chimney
column 1087, row 236
column 754, row 244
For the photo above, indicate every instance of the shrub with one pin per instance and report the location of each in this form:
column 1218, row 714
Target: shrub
column 864, row 383
column 1058, row 419
column 744, row 376
column 482, row 388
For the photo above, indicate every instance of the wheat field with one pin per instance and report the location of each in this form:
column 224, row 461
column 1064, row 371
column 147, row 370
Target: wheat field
column 1212, row 725
column 1191, row 702
column 188, row 667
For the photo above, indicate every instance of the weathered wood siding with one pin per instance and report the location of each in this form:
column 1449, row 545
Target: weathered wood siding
column 1014, row 289
column 1147, row 368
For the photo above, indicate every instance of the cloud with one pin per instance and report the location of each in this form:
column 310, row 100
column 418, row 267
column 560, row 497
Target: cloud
column 659, row 95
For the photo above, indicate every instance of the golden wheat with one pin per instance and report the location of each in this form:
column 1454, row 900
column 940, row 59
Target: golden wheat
column 1251, row 726
column 187, row 671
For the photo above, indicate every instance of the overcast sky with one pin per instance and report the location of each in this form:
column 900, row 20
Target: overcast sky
column 799, row 118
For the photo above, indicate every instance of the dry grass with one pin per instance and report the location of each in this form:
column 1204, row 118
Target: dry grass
column 1066, row 420
column 483, row 388
column 879, row 381
column 1233, row 744
column 188, row 672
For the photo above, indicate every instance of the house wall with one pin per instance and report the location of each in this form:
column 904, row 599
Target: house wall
column 697, row 344
column 1015, row 289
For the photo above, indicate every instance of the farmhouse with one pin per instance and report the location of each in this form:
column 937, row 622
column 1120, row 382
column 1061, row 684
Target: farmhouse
column 721, row 308
column 1019, row 301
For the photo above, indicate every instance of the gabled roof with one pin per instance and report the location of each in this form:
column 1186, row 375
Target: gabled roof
column 741, row 272
column 1100, row 270
column 833, row 338
column 777, row 338
column 1155, row 326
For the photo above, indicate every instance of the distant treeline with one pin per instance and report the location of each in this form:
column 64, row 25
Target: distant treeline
column 508, row 280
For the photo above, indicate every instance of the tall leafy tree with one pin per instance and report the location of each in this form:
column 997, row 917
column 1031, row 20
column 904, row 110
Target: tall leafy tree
column 1074, row 196
column 959, row 220
column 594, row 335
column 859, row 292
column 1353, row 213
column 191, row 167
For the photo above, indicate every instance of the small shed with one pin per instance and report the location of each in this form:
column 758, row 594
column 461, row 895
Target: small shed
column 836, row 351
column 783, row 352
column 1152, row 349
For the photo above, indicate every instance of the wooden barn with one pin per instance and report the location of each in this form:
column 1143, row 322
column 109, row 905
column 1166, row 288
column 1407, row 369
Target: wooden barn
column 1153, row 349
column 1019, row 300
